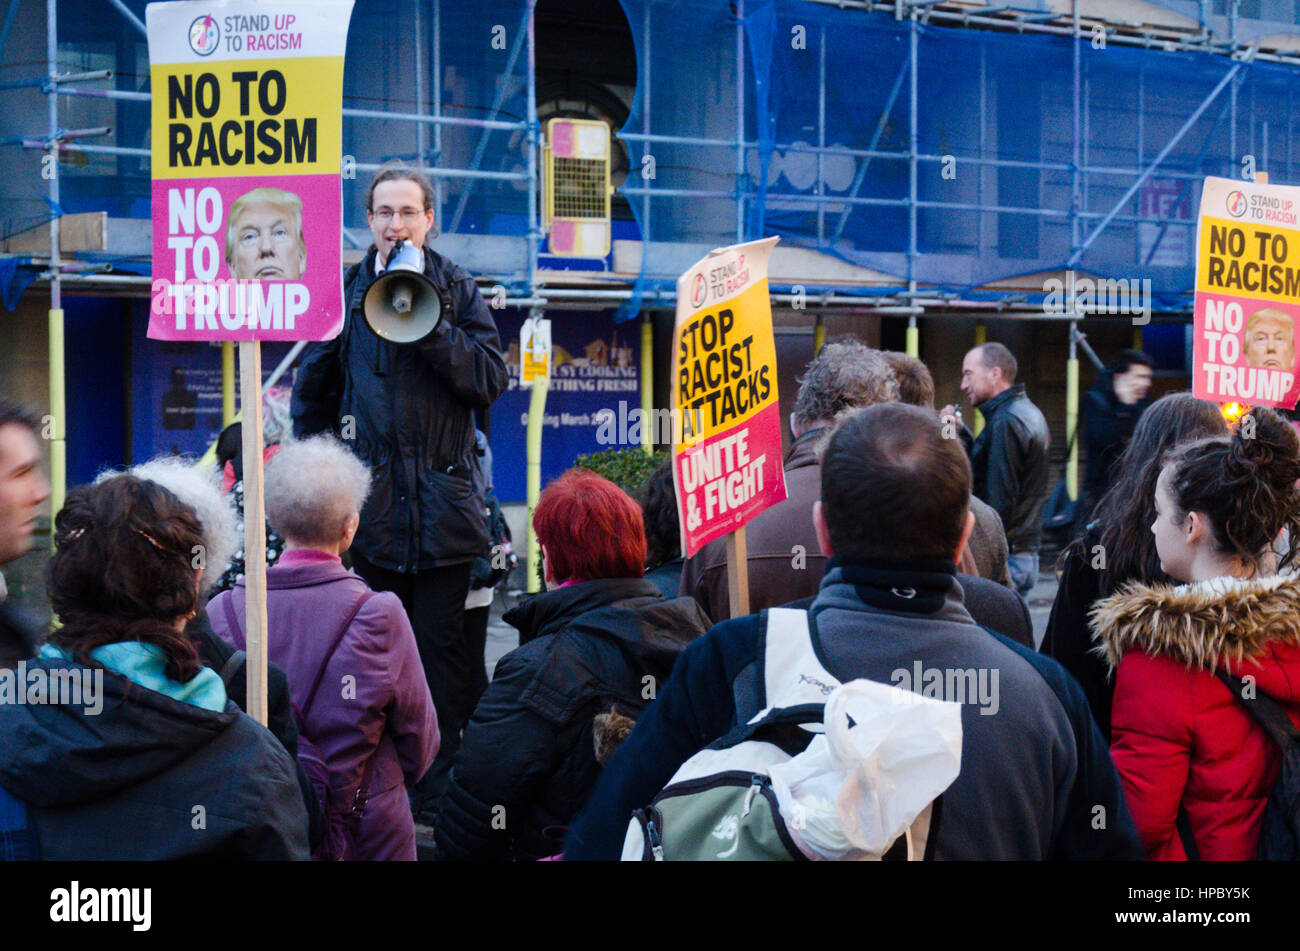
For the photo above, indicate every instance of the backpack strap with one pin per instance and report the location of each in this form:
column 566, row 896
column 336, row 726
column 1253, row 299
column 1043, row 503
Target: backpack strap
column 783, row 728
column 1266, row 711
column 335, row 641
column 1184, row 826
column 792, row 673
column 231, row 667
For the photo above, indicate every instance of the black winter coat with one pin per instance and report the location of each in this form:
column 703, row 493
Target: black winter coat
column 17, row 636
column 124, row 783
column 1068, row 637
column 407, row 410
column 1107, row 426
column 1009, row 465
column 527, row 760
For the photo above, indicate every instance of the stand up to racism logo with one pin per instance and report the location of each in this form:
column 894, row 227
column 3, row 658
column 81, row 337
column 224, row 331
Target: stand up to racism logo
column 204, row 35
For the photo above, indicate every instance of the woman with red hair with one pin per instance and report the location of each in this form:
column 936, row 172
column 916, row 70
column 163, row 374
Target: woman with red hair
column 594, row 649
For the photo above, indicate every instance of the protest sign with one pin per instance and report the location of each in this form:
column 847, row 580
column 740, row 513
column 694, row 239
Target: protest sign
column 534, row 350
column 727, row 438
column 246, row 128
column 246, row 153
column 1247, row 293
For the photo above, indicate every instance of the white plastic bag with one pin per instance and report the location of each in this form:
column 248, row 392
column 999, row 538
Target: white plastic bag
column 887, row 753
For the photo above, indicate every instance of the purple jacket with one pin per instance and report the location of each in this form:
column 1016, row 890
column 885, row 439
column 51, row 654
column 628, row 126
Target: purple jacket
column 372, row 699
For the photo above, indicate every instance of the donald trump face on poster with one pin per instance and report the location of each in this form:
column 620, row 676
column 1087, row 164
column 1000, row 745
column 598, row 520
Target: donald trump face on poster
column 1269, row 340
column 264, row 240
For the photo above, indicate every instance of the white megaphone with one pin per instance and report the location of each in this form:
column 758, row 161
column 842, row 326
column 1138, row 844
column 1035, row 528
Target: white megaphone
column 403, row 305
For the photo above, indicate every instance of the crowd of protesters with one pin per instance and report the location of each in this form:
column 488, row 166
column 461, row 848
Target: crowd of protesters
column 905, row 542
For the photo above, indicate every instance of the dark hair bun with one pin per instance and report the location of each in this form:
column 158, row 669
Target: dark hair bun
column 1265, row 447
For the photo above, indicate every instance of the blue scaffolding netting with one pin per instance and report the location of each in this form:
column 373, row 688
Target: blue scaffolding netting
column 950, row 157
column 468, row 80
column 841, row 108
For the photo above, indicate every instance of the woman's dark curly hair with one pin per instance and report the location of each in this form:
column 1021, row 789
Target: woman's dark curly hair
column 663, row 534
column 1245, row 483
column 124, row 570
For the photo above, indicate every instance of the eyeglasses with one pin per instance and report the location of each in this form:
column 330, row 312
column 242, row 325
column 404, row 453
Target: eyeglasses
column 409, row 215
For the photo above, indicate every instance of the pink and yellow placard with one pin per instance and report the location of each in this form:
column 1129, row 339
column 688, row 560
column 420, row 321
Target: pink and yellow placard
column 246, row 151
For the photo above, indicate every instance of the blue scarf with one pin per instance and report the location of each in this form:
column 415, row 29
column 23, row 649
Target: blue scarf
column 144, row 664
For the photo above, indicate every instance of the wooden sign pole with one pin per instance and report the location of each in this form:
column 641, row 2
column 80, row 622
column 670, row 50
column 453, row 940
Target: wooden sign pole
column 250, row 391
column 738, row 573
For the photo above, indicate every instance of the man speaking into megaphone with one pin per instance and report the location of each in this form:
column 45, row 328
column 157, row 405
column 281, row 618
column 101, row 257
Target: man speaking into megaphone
column 418, row 353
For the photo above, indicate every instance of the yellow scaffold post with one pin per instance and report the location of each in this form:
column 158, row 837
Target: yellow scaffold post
column 1072, row 413
column 647, row 384
column 536, row 409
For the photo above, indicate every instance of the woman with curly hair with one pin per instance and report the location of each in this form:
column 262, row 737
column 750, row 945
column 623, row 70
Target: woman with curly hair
column 148, row 759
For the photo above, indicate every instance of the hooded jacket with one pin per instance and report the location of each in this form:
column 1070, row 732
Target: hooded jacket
column 528, row 755
column 407, row 410
column 1034, row 770
column 147, row 777
column 1179, row 737
column 1009, row 465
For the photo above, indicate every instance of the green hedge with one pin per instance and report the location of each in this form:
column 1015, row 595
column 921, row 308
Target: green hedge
column 629, row 469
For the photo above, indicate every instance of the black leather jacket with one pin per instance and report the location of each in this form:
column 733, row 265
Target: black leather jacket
column 407, row 410
column 1009, row 464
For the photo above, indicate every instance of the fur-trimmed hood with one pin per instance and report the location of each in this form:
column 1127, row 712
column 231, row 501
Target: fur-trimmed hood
column 1210, row 624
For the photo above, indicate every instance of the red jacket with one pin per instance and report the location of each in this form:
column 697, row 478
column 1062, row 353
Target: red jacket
column 1178, row 735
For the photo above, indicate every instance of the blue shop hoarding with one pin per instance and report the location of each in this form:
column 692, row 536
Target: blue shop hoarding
column 176, row 391
column 595, row 365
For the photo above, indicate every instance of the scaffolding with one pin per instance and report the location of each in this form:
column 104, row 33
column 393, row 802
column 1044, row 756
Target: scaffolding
column 753, row 201
column 891, row 154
